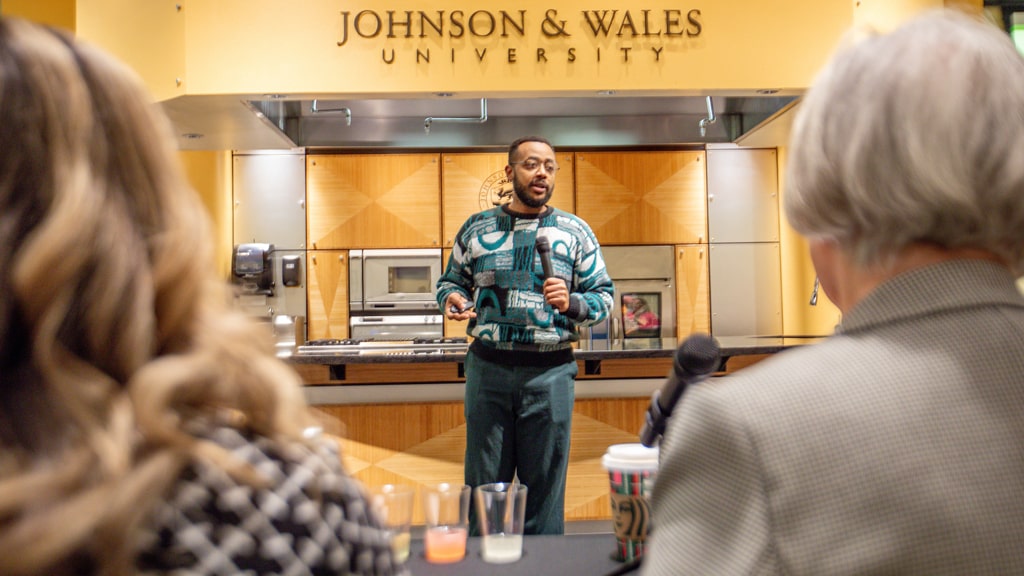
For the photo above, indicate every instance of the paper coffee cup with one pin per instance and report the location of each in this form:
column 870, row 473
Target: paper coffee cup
column 632, row 469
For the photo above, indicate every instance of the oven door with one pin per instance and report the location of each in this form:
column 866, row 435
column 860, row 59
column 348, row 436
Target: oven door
column 400, row 279
column 644, row 309
column 644, row 303
column 400, row 327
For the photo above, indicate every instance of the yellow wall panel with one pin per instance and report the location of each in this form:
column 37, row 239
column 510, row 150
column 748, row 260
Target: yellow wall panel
column 52, row 12
column 147, row 35
column 210, row 175
column 884, row 15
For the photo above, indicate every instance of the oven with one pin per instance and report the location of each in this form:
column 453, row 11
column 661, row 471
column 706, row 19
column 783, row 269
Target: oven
column 394, row 280
column 384, row 328
column 393, row 294
column 645, row 298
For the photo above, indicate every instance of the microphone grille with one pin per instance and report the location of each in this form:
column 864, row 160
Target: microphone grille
column 542, row 244
column 699, row 354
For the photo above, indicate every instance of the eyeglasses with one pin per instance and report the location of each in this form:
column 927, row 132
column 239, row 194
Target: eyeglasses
column 533, row 164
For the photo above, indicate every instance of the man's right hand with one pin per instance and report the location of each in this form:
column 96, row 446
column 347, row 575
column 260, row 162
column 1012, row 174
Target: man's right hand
column 458, row 308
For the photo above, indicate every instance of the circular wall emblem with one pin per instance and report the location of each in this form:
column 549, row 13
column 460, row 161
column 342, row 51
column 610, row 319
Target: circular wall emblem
column 495, row 191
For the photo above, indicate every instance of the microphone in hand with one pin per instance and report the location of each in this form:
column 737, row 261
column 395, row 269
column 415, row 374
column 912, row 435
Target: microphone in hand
column 543, row 248
column 695, row 360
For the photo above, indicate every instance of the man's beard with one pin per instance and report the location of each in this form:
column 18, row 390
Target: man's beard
column 529, row 200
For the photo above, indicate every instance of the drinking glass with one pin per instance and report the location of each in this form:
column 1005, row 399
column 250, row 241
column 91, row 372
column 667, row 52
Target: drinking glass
column 446, row 518
column 501, row 508
column 393, row 505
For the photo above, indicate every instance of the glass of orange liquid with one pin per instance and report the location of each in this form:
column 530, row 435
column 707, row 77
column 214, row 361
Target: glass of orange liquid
column 446, row 519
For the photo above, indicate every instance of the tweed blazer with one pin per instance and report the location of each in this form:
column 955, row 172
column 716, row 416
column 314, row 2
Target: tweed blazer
column 895, row 446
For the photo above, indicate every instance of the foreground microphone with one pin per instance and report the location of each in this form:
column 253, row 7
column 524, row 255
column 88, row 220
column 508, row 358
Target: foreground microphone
column 695, row 360
column 544, row 251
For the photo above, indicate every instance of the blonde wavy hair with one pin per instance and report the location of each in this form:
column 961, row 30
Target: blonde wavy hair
column 115, row 334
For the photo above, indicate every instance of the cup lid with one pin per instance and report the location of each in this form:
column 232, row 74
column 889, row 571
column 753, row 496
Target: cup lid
column 630, row 457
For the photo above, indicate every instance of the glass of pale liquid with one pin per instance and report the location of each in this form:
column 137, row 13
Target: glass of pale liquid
column 393, row 505
column 446, row 519
column 501, row 509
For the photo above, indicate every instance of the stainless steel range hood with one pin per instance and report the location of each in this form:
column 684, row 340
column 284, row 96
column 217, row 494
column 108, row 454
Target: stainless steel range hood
column 266, row 121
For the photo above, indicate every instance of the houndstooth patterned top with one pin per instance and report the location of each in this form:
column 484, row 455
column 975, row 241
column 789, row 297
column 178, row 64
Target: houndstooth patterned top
column 312, row 519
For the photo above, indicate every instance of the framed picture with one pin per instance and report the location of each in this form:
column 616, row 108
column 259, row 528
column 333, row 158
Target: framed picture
column 641, row 314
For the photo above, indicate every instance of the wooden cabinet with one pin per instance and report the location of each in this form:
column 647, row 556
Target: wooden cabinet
column 746, row 289
column 327, row 294
column 643, row 197
column 743, row 195
column 693, row 305
column 474, row 182
column 373, row 201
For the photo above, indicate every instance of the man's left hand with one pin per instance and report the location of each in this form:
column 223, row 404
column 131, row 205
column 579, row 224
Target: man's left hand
column 556, row 293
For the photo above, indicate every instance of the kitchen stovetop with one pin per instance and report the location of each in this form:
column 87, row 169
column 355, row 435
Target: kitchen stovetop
column 370, row 346
column 453, row 349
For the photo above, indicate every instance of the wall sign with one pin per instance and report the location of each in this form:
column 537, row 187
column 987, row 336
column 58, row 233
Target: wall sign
column 511, row 36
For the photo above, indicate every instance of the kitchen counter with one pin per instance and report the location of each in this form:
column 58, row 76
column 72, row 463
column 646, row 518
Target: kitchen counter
column 608, row 369
column 588, row 350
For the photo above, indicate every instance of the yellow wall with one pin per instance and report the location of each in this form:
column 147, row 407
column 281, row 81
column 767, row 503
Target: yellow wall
column 210, row 174
column 884, row 15
column 149, row 35
column 798, row 274
column 53, row 12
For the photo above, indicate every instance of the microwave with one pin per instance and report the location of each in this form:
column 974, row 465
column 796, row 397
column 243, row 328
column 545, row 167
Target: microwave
column 399, row 280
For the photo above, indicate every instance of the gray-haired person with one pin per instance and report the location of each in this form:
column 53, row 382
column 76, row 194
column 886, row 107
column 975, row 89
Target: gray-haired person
column 894, row 446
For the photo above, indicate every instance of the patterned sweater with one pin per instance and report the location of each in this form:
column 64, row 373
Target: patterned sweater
column 313, row 518
column 494, row 263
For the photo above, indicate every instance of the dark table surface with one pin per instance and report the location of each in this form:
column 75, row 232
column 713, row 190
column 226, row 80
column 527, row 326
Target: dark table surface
column 582, row 554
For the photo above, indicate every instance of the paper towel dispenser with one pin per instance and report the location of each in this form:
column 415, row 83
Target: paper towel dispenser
column 252, row 267
column 291, row 270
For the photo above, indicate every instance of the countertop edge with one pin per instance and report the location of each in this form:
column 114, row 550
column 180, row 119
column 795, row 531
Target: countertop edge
column 730, row 346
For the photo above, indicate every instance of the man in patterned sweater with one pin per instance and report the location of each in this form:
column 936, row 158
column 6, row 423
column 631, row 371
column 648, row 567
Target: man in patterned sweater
column 520, row 369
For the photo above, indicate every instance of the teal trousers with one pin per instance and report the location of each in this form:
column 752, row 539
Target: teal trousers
column 518, row 420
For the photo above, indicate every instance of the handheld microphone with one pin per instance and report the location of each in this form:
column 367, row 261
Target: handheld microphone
column 544, row 251
column 695, row 360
